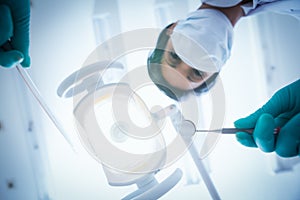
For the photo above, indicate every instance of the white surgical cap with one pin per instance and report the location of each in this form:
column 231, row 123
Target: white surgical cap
column 203, row 40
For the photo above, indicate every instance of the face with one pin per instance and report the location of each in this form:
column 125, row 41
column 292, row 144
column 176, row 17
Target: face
column 179, row 74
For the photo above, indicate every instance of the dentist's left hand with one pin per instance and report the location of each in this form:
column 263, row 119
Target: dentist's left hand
column 14, row 25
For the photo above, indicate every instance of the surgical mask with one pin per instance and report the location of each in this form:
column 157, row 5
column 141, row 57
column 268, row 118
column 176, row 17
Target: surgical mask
column 221, row 3
column 203, row 40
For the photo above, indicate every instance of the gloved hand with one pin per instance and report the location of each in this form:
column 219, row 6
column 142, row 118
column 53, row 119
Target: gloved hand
column 282, row 110
column 14, row 25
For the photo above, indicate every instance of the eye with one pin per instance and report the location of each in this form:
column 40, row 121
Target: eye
column 172, row 59
column 174, row 56
column 198, row 73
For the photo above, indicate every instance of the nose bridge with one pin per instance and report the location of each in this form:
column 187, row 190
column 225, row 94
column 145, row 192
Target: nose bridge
column 183, row 68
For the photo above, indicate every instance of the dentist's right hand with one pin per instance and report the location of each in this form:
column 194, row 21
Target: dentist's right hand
column 14, row 26
column 282, row 110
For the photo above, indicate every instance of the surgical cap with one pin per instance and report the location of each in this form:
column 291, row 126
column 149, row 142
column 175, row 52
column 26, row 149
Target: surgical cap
column 203, row 40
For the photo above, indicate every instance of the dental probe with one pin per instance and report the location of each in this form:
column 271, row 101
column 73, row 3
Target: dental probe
column 35, row 92
column 31, row 86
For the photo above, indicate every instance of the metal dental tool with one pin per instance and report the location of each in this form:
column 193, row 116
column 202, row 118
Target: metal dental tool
column 225, row 130
column 31, row 86
column 35, row 92
column 233, row 130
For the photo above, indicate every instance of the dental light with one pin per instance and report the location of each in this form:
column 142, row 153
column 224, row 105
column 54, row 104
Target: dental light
column 126, row 159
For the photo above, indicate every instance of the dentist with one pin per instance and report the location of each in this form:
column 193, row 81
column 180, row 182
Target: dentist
column 190, row 53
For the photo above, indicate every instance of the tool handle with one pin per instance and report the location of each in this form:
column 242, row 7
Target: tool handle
column 248, row 130
column 234, row 130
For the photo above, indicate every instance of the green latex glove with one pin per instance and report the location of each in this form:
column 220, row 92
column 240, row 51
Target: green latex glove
column 14, row 25
column 282, row 110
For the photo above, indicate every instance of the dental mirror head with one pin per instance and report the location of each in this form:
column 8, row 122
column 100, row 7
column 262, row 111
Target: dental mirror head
column 187, row 128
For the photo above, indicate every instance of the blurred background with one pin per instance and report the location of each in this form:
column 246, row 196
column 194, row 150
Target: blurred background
column 37, row 163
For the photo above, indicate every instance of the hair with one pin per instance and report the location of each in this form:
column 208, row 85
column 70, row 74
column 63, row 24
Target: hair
column 154, row 70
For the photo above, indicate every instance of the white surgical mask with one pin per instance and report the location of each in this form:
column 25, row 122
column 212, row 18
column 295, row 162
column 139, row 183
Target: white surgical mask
column 203, row 40
column 222, row 3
